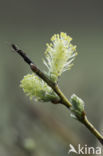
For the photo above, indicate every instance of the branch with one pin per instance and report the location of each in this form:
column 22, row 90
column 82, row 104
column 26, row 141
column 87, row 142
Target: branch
column 36, row 70
column 63, row 100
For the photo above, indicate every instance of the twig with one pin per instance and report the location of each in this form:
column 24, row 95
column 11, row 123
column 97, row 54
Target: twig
column 36, row 70
column 63, row 99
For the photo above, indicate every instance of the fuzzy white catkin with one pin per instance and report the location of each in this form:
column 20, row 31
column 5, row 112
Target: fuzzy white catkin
column 60, row 54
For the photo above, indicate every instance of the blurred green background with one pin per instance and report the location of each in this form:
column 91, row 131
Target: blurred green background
column 29, row 128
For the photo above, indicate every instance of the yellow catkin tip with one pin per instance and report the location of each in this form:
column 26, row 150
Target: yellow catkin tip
column 59, row 55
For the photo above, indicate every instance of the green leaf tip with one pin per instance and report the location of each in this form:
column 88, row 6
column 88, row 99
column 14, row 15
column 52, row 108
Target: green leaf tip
column 33, row 86
column 77, row 108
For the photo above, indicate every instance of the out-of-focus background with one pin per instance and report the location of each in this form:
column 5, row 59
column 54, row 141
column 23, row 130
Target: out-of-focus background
column 29, row 128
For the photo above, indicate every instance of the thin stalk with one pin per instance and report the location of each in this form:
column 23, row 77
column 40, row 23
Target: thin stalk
column 55, row 87
column 92, row 129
